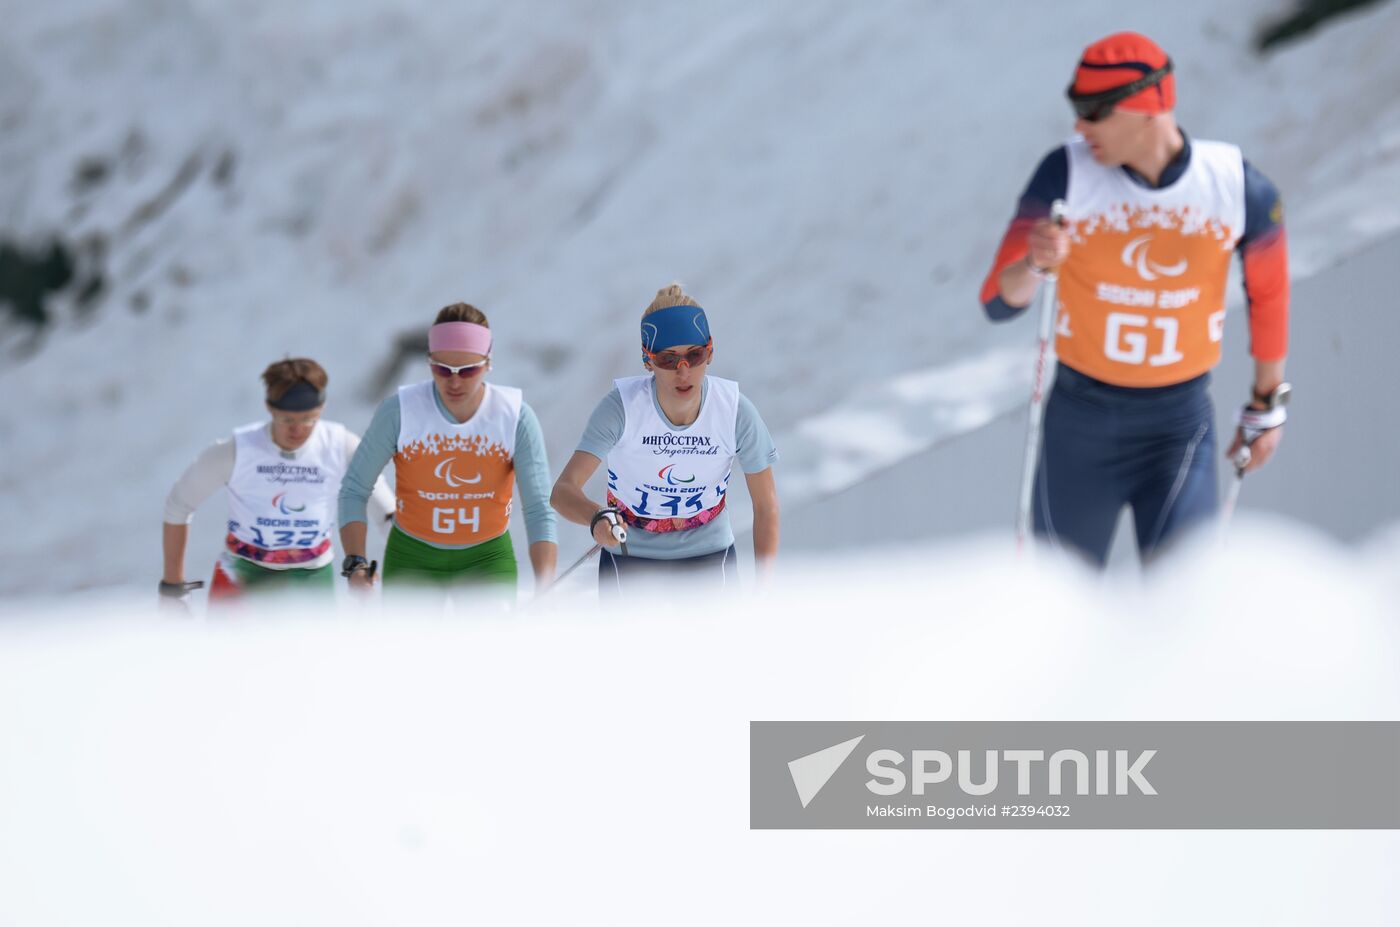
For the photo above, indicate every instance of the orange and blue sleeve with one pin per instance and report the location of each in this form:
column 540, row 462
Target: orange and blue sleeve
column 1049, row 183
column 1264, row 253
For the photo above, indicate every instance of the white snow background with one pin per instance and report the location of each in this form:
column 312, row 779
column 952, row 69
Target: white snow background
column 830, row 180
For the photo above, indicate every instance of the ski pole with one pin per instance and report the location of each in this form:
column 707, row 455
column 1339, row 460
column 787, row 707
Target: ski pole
column 619, row 533
column 1043, row 363
column 577, row 563
column 1232, row 493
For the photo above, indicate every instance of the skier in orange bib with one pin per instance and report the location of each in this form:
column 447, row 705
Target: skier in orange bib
column 1152, row 219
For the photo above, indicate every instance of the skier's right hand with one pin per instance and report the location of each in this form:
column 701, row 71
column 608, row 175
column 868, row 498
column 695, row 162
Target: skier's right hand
column 602, row 534
column 607, row 528
column 1049, row 245
column 360, row 581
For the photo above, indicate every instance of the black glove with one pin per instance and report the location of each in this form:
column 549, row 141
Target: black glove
column 179, row 590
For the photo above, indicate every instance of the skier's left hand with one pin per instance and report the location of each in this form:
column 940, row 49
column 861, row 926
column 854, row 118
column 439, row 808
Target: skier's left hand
column 1261, row 448
column 174, row 598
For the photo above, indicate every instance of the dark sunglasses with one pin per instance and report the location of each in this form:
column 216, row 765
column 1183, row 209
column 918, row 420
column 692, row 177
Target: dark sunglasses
column 465, row 371
column 1095, row 107
column 670, row 360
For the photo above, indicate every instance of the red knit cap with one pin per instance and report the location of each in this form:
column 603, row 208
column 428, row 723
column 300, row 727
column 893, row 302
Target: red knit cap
column 1120, row 59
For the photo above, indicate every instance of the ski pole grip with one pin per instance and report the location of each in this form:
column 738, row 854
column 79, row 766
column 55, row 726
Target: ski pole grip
column 1242, row 458
column 615, row 525
column 1057, row 213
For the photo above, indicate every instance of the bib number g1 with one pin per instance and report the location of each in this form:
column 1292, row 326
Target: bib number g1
column 1127, row 336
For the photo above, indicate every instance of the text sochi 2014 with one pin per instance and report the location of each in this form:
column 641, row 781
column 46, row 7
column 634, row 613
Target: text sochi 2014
column 1108, row 770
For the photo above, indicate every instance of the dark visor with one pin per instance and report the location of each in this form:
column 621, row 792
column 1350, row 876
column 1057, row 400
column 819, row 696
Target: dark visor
column 1091, row 107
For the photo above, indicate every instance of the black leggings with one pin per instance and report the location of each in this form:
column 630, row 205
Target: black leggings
column 618, row 574
column 1110, row 446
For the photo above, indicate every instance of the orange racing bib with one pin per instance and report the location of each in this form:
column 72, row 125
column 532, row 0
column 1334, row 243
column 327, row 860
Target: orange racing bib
column 1142, row 294
column 455, row 482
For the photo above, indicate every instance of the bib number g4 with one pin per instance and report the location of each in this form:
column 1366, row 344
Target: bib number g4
column 446, row 520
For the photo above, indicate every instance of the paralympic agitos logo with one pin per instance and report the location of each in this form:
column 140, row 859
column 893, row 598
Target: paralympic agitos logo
column 666, row 473
column 1135, row 256
column 443, row 471
column 280, row 503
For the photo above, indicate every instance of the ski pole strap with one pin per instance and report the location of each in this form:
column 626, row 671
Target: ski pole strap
column 179, row 590
column 615, row 526
column 611, row 515
column 1254, row 422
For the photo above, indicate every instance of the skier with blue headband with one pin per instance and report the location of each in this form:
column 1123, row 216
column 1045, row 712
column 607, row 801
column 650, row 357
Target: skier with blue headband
column 670, row 439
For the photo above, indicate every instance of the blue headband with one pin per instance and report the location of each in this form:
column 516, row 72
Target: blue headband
column 667, row 328
column 302, row 397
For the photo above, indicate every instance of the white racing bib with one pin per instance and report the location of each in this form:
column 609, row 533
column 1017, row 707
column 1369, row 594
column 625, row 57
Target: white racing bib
column 282, row 510
column 667, row 480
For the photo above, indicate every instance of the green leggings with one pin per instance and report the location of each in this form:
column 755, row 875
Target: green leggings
column 409, row 562
column 253, row 579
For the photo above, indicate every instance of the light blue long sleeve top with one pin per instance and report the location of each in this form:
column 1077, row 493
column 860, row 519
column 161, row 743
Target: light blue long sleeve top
column 380, row 443
column 755, row 451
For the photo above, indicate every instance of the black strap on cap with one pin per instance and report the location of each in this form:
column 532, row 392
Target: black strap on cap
column 1152, row 78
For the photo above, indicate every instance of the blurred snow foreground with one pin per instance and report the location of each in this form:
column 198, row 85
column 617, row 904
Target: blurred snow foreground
column 562, row 765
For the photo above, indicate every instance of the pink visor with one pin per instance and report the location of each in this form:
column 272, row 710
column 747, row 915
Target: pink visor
column 459, row 336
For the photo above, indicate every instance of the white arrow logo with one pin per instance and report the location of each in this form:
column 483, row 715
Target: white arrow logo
column 813, row 771
column 1135, row 256
column 443, row 471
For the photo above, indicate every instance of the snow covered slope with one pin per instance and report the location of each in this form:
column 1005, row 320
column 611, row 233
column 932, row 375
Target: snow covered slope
column 830, row 179
column 572, row 768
